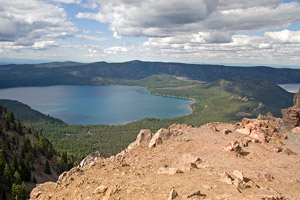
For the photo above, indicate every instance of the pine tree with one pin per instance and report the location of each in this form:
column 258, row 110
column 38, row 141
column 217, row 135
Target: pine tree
column 26, row 143
column 7, row 121
column 34, row 179
column 19, row 191
column 2, row 162
column 15, row 162
column 30, row 158
column 17, row 178
column 27, row 172
column 50, row 153
column 62, row 165
column 15, row 126
column 33, row 148
column 7, row 145
column 47, row 168
column 42, row 144
column 23, row 152
column 20, row 128
column 12, row 117
column 2, row 192
column 7, row 175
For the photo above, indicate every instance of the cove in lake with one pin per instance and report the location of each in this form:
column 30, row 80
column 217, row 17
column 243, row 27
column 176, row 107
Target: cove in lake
column 291, row 87
column 98, row 104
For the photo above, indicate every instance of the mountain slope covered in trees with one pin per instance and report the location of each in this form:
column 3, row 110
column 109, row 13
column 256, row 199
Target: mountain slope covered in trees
column 26, row 158
column 101, row 73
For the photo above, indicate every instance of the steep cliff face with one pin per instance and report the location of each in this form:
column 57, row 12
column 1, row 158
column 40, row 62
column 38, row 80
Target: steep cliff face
column 248, row 160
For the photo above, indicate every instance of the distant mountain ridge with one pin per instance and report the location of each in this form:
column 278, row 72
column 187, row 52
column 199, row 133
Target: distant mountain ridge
column 100, row 73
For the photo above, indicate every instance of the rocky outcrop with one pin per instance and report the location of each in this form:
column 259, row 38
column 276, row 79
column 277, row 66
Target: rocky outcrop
column 143, row 137
column 297, row 99
column 259, row 130
column 92, row 157
column 291, row 115
column 158, row 138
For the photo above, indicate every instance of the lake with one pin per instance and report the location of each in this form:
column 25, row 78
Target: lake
column 98, row 104
column 292, row 87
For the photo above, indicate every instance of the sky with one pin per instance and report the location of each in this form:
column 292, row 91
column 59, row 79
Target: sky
column 232, row 32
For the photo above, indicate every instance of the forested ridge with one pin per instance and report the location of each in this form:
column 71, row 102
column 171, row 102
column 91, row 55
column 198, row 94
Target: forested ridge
column 103, row 73
column 26, row 158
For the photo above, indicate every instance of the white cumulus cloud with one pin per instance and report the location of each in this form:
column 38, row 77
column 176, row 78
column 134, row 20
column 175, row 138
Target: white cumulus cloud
column 33, row 23
column 218, row 19
column 115, row 50
column 285, row 36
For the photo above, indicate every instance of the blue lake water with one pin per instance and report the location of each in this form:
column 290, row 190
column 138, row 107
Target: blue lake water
column 292, row 87
column 98, row 104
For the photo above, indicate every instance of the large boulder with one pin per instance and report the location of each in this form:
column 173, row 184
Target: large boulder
column 161, row 135
column 143, row 137
column 92, row 157
column 291, row 117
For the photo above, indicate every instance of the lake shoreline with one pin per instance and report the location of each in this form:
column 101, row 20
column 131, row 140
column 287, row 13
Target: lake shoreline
column 137, row 99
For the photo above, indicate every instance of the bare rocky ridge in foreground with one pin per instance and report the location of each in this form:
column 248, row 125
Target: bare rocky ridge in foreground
column 254, row 159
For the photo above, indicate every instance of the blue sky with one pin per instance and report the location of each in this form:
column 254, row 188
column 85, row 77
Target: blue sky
column 233, row 32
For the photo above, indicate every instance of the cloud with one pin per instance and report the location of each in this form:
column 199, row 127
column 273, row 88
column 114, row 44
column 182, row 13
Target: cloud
column 217, row 19
column 254, row 19
column 89, row 37
column 33, row 23
column 115, row 50
column 242, row 49
column 91, row 4
column 202, row 30
column 236, row 4
column 284, row 37
column 92, row 50
column 68, row 1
